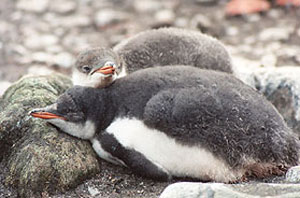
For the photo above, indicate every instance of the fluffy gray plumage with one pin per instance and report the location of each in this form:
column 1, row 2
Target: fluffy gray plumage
column 173, row 46
column 165, row 46
column 196, row 107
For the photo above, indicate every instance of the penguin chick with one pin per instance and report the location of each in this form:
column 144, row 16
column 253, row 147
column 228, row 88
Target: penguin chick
column 97, row 67
column 179, row 121
column 164, row 46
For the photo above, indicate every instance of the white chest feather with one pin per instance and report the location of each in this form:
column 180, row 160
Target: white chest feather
column 84, row 131
column 176, row 158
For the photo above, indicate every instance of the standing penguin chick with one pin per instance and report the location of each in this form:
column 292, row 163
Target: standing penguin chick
column 98, row 67
column 179, row 121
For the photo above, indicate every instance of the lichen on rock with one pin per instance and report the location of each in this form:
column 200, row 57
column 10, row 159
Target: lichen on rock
column 38, row 157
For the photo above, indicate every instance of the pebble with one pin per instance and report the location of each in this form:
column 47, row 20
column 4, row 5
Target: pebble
column 38, row 41
column 3, row 86
column 36, row 6
column 269, row 60
column 64, row 59
column 147, row 6
column 39, row 70
column 42, row 57
column 219, row 190
column 107, row 17
column 201, row 22
column 293, row 175
column 66, row 7
column 232, row 31
column 165, row 16
column 275, row 34
column 93, row 191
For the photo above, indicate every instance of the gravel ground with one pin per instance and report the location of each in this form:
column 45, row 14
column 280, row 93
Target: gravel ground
column 41, row 36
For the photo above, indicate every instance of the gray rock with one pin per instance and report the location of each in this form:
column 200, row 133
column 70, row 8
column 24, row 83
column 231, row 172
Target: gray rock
column 64, row 59
column 144, row 6
column 201, row 22
column 218, row 190
column 37, row 41
column 165, row 16
column 293, row 175
column 3, row 86
column 40, row 159
column 67, row 6
column 281, row 86
column 275, row 34
column 37, row 6
column 107, row 17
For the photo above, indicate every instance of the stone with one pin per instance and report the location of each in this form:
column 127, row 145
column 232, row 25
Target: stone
column 37, row 6
column 37, row 42
column 165, row 16
column 39, row 158
column 268, row 60
column 42, row 57
column 275, row 34
column 108, row 17
column 147, row 6
column 3, row 86
column 201, row 22
column 66, row 7
column 293, row 175
column 232, row 31
column 281, row 86
column 219, row 190
column 93, row 191
column 64, row 60
column 39, row 70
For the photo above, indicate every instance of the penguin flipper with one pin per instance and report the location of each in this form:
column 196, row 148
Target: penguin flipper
column 135, row 160
column 176, row 108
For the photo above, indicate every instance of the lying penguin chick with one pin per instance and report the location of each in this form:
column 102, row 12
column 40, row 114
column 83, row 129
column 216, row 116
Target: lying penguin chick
column 97, row 67
column 174, row 46
column 179, row 121
column 165, row 46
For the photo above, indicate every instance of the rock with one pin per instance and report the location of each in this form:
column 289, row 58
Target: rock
column 93, row 191
column 275, row 34
column 232, row 31
column 3, row 86
column 108, row 17
column 293, row 175
column 269, row 60
column 281, row 86
column 165, row 16
column 42, row 57
column 39, row 70
column 201, row 22
column 37, row 42
column 218, row 190
column 64, row 59
column 65, row 7
column 37, row 6
column 147, row 6
column 40, row 159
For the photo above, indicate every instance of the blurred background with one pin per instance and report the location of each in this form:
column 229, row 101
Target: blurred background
column 42, row 36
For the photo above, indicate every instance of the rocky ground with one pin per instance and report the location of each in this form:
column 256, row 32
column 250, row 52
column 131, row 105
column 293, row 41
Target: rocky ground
column 42, row 36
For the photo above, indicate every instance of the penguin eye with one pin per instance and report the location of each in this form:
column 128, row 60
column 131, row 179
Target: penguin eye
column 86, row 68
column 110, row 63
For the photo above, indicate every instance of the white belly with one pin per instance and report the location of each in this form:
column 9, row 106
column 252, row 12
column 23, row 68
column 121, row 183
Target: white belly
column 178, row 159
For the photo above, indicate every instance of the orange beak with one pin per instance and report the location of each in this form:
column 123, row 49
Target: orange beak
column 106, row 70
column 45, row 115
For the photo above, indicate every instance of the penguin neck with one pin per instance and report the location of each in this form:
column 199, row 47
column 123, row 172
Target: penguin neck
column 103, row 111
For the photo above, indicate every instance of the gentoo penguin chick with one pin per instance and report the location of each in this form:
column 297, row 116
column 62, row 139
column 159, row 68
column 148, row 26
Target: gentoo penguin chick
column 98, row 67
column 165, row 46
column 179, row 121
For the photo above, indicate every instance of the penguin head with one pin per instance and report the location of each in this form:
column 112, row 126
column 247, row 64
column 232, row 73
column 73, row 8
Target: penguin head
column 96, row 67
column 77, row 112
